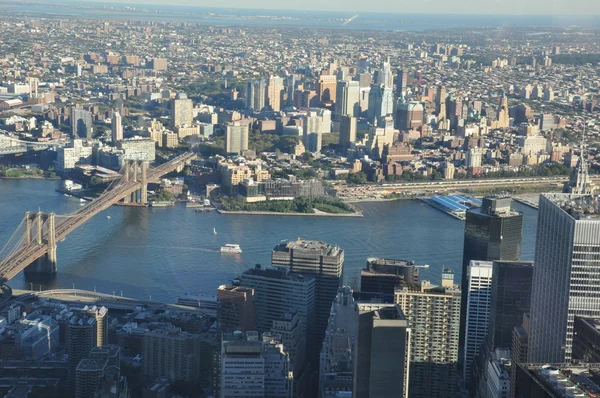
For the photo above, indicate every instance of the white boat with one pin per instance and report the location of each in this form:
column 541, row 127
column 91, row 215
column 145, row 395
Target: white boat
column 108, row 217
column 214, row 231
column 231, row 248
column 82, row 200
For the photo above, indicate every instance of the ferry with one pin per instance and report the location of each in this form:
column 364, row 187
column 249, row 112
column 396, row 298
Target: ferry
column 231, row 248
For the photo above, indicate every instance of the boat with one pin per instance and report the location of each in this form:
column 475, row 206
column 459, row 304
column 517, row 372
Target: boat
column 108, row 217
column 82, row 200
column 214, row 231
column 231, row 248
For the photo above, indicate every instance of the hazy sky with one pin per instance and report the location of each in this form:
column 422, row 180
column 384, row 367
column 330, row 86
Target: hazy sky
column 553, row 7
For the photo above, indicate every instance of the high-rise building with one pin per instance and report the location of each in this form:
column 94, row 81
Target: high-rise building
column 409, row 115
column 479, row 294
column 181, row 111
column 474, row 158
column 86, row 330
column 81, row 123
column 401, row 82
column 256, row 91
column 117, row 128
column 99, row 373
column 171, row 353
column 347, row 98
column 565, row 281
column 235, row 309
column 327, row 88
column 433, row 316
column 320, row 260
column 440, row 102
column 518, row 352
column 289, row 330
column 511, row 298
column 382, row 352
column 274, row 92
column 374, row 109
column 315, row 123
column 254, row 367
column 348, row 125
column 277, row 291
column 291, row 90
column 384, row 275
column 236, row 137
column 492, row 232
column 337, row 354
column 586, row 340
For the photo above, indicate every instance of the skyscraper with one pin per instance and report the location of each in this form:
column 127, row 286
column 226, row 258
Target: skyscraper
column 254, row 367
column 327, row 88
column 236, row 137
column 401, row 82
column 171, row 353
column 433, row 316
column 117, row 128
column 565, row 278
column 256, row 91
column 384, row 275
column 320, row 260
column 81, row 123
column 86, row 330
column 479, row 295
column 348, row 126
column 409, row 115
column 315, row 123
column 181, row 111
column 511, row 298
column 337, row 354
column 492, row 232
column 235, row 308
column 274, row 92
column 347, row 98
column 382, row 352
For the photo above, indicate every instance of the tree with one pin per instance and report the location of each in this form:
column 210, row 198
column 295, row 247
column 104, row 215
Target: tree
column 95, row 181
column 357, row 178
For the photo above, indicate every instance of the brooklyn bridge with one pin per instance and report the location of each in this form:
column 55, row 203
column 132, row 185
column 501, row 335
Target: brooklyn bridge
column 33, row 244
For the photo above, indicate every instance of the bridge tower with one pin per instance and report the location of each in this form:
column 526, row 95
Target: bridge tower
column 137, row 170
column 40, row 228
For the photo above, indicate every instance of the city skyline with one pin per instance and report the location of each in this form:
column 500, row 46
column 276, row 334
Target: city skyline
column 470, row 7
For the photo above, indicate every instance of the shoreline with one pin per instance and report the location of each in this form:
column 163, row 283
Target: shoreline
column 273, row 213
column 30, row 178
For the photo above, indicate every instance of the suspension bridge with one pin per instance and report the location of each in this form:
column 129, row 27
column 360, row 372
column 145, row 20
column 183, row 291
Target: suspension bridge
column 33, row 244
column 10, row 145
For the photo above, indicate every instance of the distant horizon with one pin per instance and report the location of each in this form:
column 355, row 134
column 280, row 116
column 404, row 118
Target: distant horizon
column 559, row 8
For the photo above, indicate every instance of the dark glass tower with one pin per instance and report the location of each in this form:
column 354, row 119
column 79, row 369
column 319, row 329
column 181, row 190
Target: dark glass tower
column 511, row 298
column 492, row 232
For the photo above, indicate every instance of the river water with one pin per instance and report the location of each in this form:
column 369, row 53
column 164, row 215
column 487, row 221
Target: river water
column 164, row 252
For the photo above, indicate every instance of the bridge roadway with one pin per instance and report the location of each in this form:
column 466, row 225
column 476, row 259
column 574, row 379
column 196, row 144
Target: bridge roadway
column 21, row 258
column 86, row 297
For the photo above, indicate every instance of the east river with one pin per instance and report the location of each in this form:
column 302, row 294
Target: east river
column 165, row 252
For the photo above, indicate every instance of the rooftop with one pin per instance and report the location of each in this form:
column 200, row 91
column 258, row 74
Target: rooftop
column 309, row 245
column 580, row 207
column 575, row 380
column 91, row 364
column 277, row 273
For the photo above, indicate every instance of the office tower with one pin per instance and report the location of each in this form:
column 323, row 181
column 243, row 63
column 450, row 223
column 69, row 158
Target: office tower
column 384, row 275
column 363, row 100
column 337, row 354
column 256, row 91
column 375, row 102
column 171, row 353
column 502, row 115
column 440, row 102
column 277, row 291
column 479, row 294
column 382, row 352
column 320, row 260
column 274, row 92
column 497, row 375
column 235, row 309
column 254, row 367
column 387, row 101
column 401, row 82
column 117, row 128
column 511, row 298
column 81, row 123
column 409, row 115
column 181, row 111
column 386, row 78
column 433, row 316
column 586, row 340
column 327, row 88
column 236, row 137
column 566, row 283
column 365, row 79
column 347, row 98
column 492, row 232
column 348, row 125
column 518, row 352
column 315, row 123
column 291, row 90
column 289, row 330
column 85, row 330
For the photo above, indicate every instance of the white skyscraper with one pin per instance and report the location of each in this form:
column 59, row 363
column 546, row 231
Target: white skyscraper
column 479, row 295
column 347, row 98
column 566, row 276
column 117, row 128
